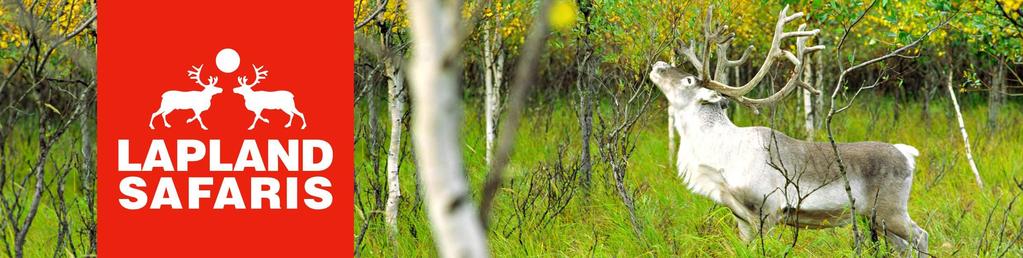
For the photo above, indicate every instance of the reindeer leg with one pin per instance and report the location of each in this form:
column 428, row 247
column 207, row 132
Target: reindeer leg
column 259, row 116
column 153, row 117
column 921, row 240
column 201, row 124
column 300, row 115
column 291, row 116
column 746, row 232
column 905, row 235
column 198, row 117
column 745, row 218
column 164, row 116
column 254, row 120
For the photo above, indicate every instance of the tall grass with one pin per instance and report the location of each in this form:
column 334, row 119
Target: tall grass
column 962, row 219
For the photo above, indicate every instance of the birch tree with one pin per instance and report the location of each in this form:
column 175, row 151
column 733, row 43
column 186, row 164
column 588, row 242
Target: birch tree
column 396, row 108
column 434, row 72
column 493, row 78
column 962, row 129
column 808, row 106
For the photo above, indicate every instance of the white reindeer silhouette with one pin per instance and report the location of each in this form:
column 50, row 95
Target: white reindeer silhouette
column 197, row 101
column 257, row 101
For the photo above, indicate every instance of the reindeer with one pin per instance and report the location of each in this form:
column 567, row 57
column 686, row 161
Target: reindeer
column 197, row 101
column 766, row 177
column 257, row 101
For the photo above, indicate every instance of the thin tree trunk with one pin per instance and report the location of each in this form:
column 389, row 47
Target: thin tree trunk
column 489, row 89
column 819, row 85
column 584, row 84
column 491, row 85
column 962, row 129
column 808, row 110
column 585, row 122
column 996, row 96
column 396, row 108
column 925, row 113
column 434, row 71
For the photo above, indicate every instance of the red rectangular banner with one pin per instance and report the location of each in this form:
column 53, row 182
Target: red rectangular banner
column 224, row 128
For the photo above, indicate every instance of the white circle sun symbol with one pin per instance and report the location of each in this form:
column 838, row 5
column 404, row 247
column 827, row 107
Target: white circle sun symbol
column 227, row 60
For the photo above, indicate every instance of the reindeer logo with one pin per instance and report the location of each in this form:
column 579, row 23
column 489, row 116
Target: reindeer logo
column 257, row 101
column 197, row 101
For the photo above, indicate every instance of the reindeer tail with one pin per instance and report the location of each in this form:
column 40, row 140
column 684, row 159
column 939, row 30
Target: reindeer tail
column 910, row 152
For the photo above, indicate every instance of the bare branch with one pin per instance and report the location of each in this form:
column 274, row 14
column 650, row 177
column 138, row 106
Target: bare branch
column 380, row 9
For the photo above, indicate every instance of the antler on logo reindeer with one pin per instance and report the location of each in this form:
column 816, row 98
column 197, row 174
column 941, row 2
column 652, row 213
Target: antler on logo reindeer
column 197, row 101
column 257, row 101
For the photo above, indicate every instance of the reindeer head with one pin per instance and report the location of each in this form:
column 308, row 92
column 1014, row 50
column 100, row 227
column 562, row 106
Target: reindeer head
column 244, row 87
column 210, row 87
column 684, row 90
column 681, row 88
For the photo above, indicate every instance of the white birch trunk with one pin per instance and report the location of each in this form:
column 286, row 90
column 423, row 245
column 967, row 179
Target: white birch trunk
column 808, row 110
column 488, row 88
column 493, row 78
column 962, row 129
column 434, row 71
column 396, row 107
column 819, row 85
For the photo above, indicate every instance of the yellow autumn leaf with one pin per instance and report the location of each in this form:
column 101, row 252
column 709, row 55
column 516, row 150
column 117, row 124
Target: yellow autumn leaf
column 562, row 15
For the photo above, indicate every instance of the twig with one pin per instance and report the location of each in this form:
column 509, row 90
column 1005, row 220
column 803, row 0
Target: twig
column 373, row 15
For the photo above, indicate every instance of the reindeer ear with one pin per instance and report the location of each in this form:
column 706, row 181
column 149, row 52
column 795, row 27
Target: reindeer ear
column 709, row 96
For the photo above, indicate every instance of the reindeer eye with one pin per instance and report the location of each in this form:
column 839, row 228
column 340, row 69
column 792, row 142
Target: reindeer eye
column 688, row 80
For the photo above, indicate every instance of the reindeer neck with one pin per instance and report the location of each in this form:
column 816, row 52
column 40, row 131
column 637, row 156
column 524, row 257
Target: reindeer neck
column 209, row 92
column 703, row 120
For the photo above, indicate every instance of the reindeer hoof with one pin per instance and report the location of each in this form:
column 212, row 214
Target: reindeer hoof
column 151, row 127
column 204, row 128
column 250, row 127
column 303, row 126
column 287, row 125
column 167, row 125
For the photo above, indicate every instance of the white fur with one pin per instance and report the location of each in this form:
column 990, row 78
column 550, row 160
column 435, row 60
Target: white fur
column 910, row 152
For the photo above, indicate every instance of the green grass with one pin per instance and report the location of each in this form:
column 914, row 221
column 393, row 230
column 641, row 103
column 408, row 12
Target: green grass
column 962, row 219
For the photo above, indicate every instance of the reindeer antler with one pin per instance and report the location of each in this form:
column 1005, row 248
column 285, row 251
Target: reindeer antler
column 194, row 75
column 260, row 74
column 724, row 40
